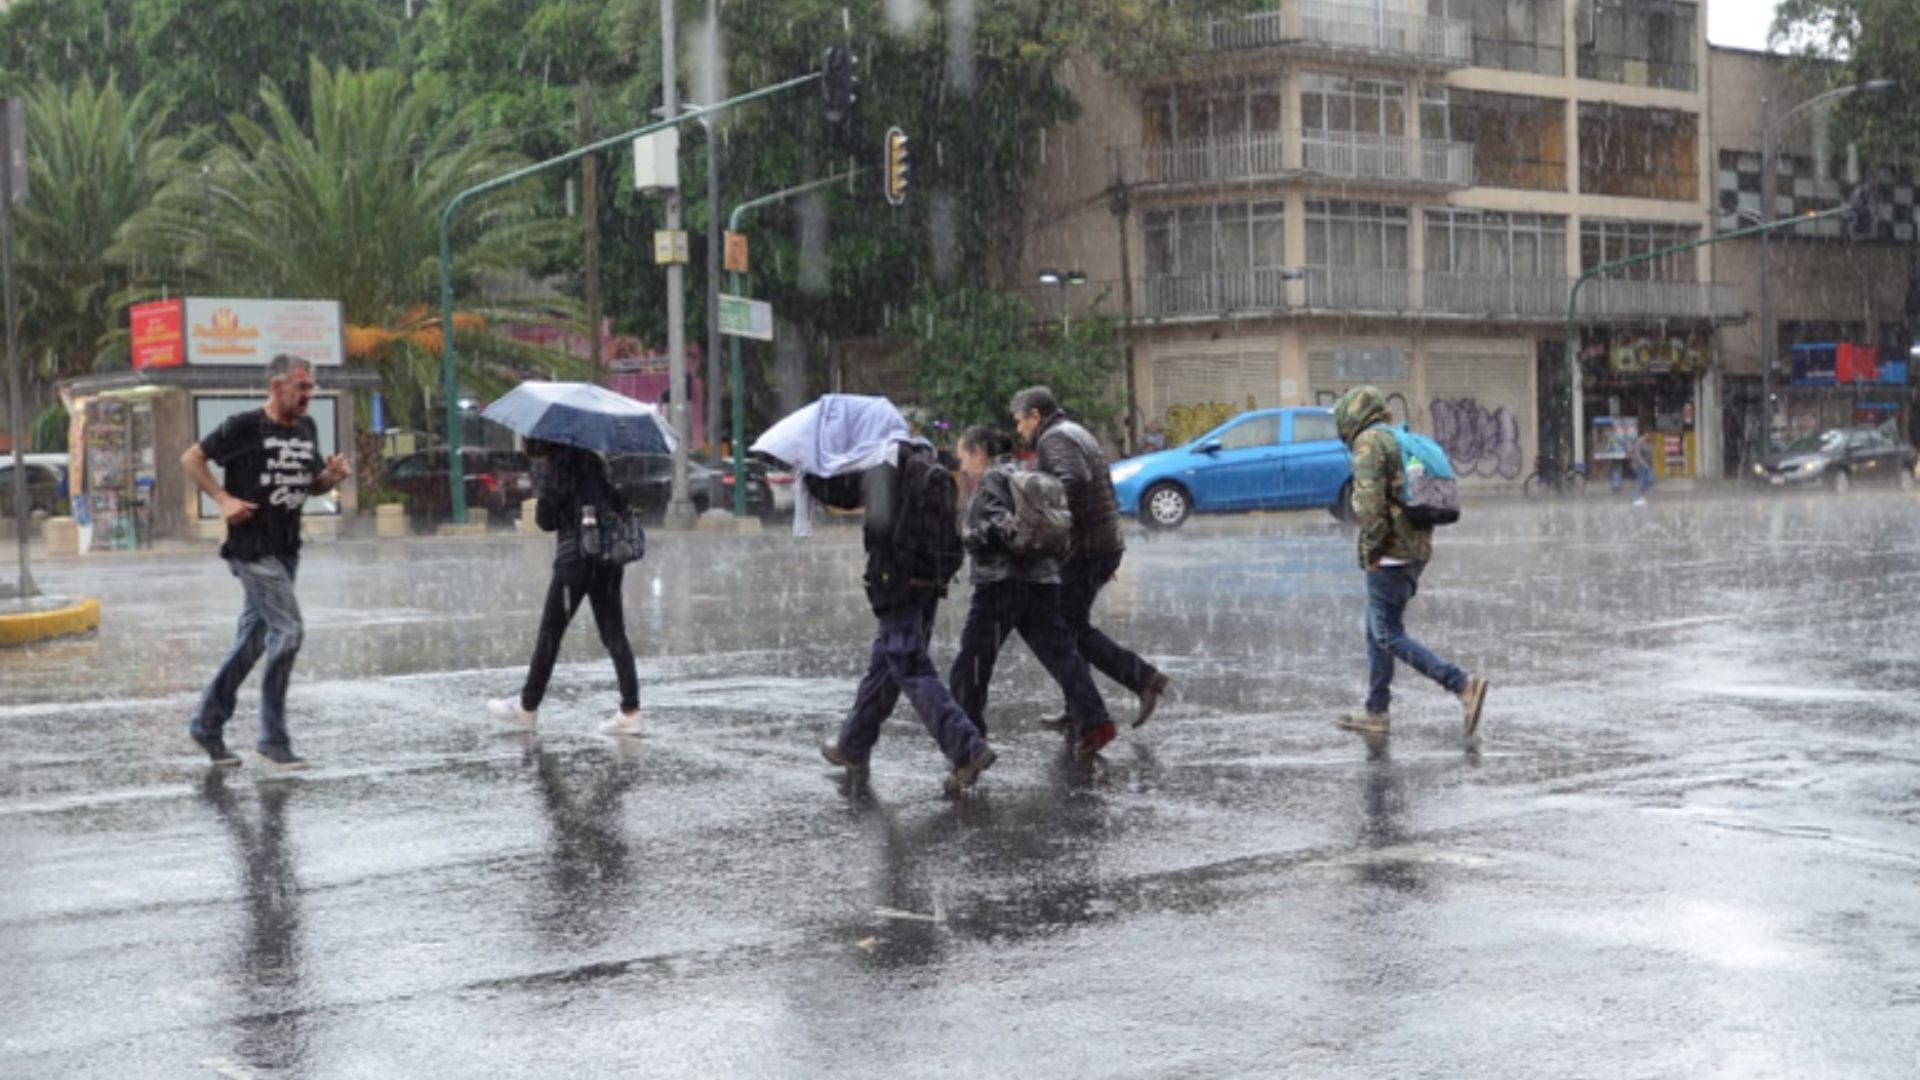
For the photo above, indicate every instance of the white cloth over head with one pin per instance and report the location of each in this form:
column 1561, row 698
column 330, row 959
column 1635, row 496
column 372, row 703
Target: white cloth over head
column 840, row 433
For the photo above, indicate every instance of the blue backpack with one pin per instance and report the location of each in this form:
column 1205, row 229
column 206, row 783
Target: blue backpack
column 1431, row 492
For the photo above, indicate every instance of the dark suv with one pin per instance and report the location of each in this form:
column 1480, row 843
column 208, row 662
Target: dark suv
column 496, row 481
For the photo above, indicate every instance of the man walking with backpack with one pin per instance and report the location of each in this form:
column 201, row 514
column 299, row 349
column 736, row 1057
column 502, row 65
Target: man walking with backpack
column 1394, row 550
column 1070, row 453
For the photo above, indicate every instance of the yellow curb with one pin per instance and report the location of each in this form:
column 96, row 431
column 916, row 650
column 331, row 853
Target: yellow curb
column 28, row 627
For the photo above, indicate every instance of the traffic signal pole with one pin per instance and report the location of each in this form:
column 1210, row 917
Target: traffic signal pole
column 449, row 376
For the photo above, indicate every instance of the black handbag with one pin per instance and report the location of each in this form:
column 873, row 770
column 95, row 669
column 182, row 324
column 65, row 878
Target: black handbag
column 616, row 541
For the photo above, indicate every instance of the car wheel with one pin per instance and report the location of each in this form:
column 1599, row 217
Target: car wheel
column 1342, row 508
column 1842, row 482
column 1165, row 506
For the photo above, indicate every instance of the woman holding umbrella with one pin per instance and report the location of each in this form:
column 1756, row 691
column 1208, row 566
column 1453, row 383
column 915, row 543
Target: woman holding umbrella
column 567, row 425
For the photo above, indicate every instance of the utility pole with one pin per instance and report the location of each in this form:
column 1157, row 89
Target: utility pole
column 711, row 95
column 680, row 513
column 590, row 219
column 1768, row 336
column 1122, row 206
column 13, row 189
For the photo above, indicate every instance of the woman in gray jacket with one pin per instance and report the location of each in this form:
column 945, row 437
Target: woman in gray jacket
column 1015, row 592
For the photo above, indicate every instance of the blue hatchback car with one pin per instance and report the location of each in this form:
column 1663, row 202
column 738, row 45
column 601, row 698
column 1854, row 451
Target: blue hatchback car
column 1269, row 459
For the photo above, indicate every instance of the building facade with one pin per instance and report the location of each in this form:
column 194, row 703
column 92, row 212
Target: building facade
column 1403, row 192
column 1830, row 286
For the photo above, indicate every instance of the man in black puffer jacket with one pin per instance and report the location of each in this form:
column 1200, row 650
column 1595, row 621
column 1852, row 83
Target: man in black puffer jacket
column 1070, row 453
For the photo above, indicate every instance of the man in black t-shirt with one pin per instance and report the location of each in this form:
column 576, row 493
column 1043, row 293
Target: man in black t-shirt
column 271, row 460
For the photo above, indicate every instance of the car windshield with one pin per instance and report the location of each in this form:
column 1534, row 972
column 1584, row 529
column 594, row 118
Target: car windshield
column 1826, row 442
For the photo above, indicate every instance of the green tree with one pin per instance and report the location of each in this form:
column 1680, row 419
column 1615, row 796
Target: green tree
column 348, row 208
column 61, row 41
column 974, row 349
column 97, row 158
column 211, row 57
column 1851, row 42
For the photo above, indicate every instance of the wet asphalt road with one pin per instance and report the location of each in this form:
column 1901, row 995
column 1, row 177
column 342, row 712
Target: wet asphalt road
column 1685, row 846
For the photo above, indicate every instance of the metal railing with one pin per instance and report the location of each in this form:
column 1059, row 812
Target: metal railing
column 1612, row 298
column 1199, row 161
column 1344, row 288
column 1251, row 31
column 1366, row 28
column 1387, row 157
column 1491, row 295
column 1177, row 295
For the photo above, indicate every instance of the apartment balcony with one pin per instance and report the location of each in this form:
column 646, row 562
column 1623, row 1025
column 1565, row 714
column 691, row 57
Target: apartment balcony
column 1383, row 161
column 1231, row 292
column 1205, row 161
column 1342, row 288
column 1388, row 160
column 1349, row 30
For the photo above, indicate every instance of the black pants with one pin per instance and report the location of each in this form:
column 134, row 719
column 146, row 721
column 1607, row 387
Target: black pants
column 1080, row 584
column 898, row 664
column 573, row 581
column 1002, row 607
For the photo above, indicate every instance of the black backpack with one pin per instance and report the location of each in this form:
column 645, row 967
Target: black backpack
column 926, row 534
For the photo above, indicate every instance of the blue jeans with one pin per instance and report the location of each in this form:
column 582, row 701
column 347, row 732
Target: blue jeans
column 899, row 664
column 1643, row 479
column 269, row 623
column 1388, row 591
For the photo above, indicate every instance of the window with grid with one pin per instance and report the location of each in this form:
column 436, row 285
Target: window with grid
column 1357, row 235
column 1200, row 113
column 1638, row 153
column 1638, row 42
column 1347, row 105
column 1488, row 244
column 1519, row 142
column 1604, row 241
column 1517, row 35
column 1225, row 238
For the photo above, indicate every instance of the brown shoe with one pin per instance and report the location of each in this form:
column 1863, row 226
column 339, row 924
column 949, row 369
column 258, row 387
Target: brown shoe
column 963, row 777
column 1472, row 700
column 1150, row 698
column 1365, row 721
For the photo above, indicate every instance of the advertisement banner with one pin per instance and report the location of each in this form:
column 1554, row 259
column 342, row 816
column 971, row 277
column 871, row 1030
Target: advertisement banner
column 157, row 338
column 253, row 332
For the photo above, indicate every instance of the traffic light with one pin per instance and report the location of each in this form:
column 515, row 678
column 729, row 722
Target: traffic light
column 1863, row 211
column 896, row 166
column 838, row 83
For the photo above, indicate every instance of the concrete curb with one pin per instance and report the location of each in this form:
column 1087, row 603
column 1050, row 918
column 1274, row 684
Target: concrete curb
column 29, row 627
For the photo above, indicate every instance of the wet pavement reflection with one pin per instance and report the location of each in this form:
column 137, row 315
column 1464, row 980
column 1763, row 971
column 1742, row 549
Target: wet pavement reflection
column 1684, row 845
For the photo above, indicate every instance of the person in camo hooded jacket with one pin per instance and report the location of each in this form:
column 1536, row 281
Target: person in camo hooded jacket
column 1393, row 551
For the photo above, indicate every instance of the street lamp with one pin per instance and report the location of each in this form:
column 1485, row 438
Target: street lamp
column 1050, row 276
column 1769, row 337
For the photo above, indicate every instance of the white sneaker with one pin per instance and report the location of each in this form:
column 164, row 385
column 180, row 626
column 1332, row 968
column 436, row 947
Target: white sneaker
column 507, row 711
column 1639, row 502
column 623, row 723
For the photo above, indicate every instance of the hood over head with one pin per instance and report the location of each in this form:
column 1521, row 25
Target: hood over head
column 1359, row 409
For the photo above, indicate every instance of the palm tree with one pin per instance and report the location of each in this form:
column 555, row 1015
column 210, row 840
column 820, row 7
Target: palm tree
column 97, row 158
column 350, row 211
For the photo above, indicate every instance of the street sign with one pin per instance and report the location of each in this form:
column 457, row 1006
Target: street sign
column 746, row 318
column 735, row 261
column 13, row 138
column 670, row 246
column 656, row 161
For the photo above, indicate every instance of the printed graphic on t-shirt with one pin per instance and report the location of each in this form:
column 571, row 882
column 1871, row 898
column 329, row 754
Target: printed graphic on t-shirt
column 289, row 470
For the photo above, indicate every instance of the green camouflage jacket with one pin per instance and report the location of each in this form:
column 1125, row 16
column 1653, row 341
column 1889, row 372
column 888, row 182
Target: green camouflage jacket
column 1378, row 472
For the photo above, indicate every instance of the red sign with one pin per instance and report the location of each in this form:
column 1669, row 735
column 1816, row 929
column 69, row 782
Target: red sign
column 157, row 338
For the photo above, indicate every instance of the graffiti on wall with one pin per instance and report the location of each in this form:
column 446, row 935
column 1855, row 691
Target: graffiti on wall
column 1186, row 423
column 1482, row 442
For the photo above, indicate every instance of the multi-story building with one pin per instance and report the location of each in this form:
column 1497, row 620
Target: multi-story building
column 1831, row 285
column 1402, row 192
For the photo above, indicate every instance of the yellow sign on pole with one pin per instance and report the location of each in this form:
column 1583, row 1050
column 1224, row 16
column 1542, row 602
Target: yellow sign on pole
column 735, row 261
column 670, row 246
